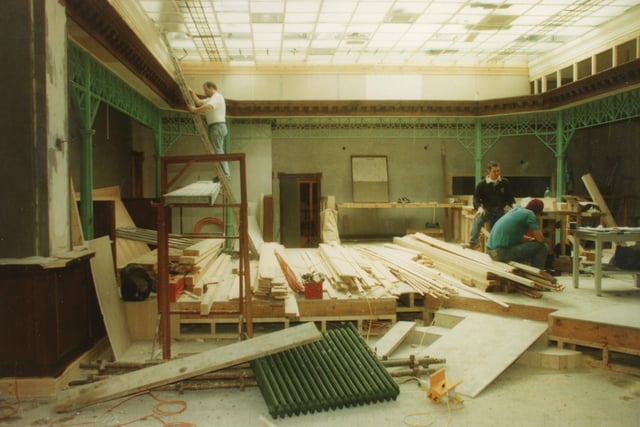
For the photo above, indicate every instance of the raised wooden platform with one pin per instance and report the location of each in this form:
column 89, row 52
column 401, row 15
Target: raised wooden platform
column 223, row 319
column 607, row 338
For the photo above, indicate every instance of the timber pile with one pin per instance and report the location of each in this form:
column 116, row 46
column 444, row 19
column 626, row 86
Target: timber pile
column 476, row 269
column 345, row 269
column 270, row 279
column 200, row 264
column 414, row 263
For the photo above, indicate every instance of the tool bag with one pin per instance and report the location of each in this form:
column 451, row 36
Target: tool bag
column 626, row 257
column 135, row 283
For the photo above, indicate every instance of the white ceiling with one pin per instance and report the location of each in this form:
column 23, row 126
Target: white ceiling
column 365, row 33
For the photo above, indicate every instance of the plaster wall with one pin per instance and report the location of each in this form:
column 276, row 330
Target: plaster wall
column 417, row 169
column 454, row 86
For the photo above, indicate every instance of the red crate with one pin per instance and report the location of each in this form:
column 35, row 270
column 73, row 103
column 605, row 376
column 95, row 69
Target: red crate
column 313, row 290
column 176, row 287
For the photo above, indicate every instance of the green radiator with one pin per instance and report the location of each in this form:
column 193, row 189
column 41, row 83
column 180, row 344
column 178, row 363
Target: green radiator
column 338, row 371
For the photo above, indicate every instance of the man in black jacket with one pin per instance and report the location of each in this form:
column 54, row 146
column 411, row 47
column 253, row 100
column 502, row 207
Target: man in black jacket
column 493, row 194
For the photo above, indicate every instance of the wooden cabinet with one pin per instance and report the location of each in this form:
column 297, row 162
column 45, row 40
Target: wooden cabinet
column 48, row 317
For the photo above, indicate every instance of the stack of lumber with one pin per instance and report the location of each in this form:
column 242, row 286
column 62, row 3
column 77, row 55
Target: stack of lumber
column 194, row 262
column 276, row 279
column 377, row 272
column 345, row 268
column 476, row 269
column 197, row 257
column 270, row 279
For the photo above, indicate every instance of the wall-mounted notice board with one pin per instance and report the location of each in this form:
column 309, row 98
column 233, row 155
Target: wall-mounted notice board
column 370, row 178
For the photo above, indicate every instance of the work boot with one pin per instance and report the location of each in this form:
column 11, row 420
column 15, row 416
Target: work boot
column 471, row 245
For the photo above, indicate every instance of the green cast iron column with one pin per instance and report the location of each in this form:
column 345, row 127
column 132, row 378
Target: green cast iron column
column 157, row 142
column 560, row 154
column 477, row 157
column 86, row 106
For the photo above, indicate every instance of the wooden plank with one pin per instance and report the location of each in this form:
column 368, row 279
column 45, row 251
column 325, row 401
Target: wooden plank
column 203, row 248
column 207, row 300
column 77, row 236
column 111, row 306
column 186, row 367
column 485, row 355
column 291, row 306
column 255, row 235
column 393, row 338
column 200, row 192
column 594, row 192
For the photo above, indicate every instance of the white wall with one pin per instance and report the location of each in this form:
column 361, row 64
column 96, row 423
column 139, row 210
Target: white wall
column 456, row 85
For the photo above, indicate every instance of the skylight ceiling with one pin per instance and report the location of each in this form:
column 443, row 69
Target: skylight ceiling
column 381, row 33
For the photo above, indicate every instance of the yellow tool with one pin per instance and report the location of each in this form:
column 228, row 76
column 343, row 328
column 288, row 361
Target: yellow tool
column 440, row 386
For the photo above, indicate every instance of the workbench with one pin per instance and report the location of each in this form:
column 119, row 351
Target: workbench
column 453, row 212
column 599, row 236
column 565, row 217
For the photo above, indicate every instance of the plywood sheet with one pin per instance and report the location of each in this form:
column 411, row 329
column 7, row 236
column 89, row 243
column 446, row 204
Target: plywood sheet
column 111, row 305
column 393, row 338
column 481, row 347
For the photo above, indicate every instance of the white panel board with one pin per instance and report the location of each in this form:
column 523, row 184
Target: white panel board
column 481, row 347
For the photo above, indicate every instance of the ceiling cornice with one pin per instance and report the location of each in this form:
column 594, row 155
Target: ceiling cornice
column 102, row 22
column 622, row 78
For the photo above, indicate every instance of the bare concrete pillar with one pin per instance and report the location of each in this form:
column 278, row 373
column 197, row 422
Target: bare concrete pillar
column 34, row 172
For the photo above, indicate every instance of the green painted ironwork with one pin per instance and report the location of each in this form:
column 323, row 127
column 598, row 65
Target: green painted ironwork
column 86, row 106
column 108, row 88
column 90, row 83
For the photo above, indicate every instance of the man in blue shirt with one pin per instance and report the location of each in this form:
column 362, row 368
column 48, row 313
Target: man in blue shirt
column 509, row 240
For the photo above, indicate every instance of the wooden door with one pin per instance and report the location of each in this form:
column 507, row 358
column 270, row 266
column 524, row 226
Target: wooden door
column 299, row 209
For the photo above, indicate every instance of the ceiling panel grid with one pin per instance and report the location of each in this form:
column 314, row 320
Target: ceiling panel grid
column 374, row 33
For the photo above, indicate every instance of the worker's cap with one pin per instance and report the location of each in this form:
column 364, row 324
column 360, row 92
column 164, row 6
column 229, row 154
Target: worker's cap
column 535, row 205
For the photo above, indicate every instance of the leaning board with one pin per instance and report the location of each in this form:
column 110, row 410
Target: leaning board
column 481, row 347
column 111, row 306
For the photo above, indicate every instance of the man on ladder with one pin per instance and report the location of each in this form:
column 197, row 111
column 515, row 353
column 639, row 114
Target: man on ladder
column 214, row 108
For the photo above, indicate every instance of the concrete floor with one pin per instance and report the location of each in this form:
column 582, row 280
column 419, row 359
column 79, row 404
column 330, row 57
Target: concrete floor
column 525, row 394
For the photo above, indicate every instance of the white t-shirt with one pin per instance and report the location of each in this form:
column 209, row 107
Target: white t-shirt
column 218, row 113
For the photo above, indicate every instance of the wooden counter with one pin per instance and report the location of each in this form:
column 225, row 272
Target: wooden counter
column 49, row 315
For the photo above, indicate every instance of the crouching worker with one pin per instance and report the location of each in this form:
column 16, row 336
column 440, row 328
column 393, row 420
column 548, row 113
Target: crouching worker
column 509, row 239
